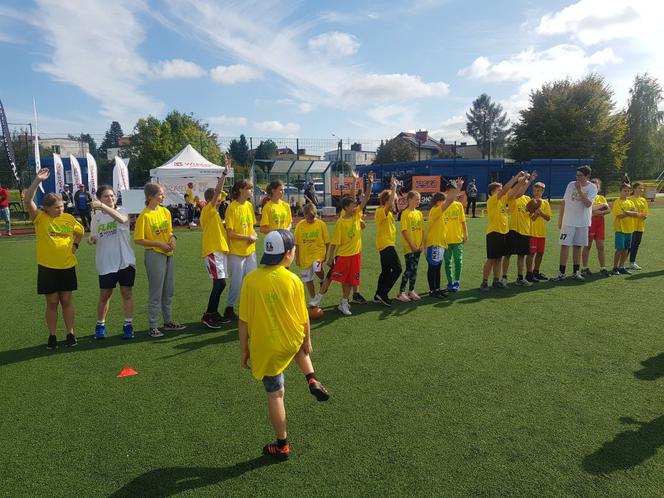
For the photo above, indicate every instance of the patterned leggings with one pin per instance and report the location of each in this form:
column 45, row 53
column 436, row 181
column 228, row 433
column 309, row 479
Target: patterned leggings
column 410, row 275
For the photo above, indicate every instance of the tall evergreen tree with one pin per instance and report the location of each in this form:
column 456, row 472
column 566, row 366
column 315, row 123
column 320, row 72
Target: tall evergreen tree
column 111, row 138
column 487, row 124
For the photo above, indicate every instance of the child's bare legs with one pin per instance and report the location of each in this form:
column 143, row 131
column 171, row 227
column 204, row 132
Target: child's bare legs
column 576, row 255
column 486, row 270
column 529, row 263
column 127, row 301
column 496, row 268
column 506, row 264
column 520, row 264
column 585, row 254
column 304, row 363
column 67, row 304
column 346, row 288
column 104, row 303
column 311, row 288
column 564, row 254
column 600, row 253
column 538, row 262
column 277, row 411
column 623, row 257
column 52, row 302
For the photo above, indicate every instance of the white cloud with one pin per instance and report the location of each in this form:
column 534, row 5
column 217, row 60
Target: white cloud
column 450, row 129
column 334, row 44
column 238, row 73
column 277, row 127
column 305, row 107
column 177, row 68
column 224, row 120
column 98, row 57
column 388, row 87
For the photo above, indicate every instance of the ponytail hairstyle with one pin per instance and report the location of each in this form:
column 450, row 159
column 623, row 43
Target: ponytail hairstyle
column 237, row 186
column 150, row 190
column 49, row 199
column 101, row 189
column 273, row 185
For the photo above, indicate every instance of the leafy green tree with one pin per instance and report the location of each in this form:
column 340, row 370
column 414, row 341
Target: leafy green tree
column 239, row 152
column 267, row 149
column 394, row 151
column 572, row 119
column 487, row 124
column 155, row 141
column 111, row 138
column 643, row 120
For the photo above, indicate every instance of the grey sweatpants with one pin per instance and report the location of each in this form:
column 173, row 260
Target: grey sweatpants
column 238, row 266
column 160, row 270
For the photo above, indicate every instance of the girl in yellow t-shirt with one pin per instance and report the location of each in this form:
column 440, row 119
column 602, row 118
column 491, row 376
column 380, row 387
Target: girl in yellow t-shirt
column 276, row 213
column 312, row 241
column 390, row 266
column 57, row 235
column 641, row 204
column 240, row 221
column 412, row 240
column 154, row 231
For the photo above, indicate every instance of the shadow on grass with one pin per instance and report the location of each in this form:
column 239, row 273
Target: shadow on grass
column 650, row 274
column 628, row 449
column 653, row 368
column 174, row 480
column 88, row 343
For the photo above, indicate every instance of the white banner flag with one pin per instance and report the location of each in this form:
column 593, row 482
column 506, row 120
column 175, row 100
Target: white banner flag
column 120, row 175
column 92, row 173
column 59, row 174
column 36, row 141
column 76, row 176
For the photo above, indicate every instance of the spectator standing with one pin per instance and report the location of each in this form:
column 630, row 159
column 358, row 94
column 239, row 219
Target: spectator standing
column 83, row 202
column 4, row 210
column 310, row 194
column 471, row 193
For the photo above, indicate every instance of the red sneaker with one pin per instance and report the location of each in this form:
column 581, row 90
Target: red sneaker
column 273, row 449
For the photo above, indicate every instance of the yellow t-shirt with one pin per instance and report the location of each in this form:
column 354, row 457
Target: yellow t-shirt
column 311, row 240
column 454, row 217
column 497, row 213
column 272, row 303
column 154, row 225
column 386, row 229
column 347, row 235
column 538, row 227
column 240, row 219
column 437, row 229
column 627, row 223
column 520, row 220
column 214, row 237
column 276, row 215
column 641, row 205
column 412, row 221
column 54, row 238
column 599, row 199
column 190, row 196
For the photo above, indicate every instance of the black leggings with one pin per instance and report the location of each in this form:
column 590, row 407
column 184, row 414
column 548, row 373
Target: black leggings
column 390, row 269
column 218, row 285
column 636, row 242
column 410, row 275
column 472, row 203
column 433, row 276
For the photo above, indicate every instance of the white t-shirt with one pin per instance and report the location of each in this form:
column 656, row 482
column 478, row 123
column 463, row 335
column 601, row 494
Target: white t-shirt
column 576, row 214
column 114, row 251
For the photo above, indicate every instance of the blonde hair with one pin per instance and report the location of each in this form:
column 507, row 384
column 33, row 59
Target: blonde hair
column 50, row 199
column 150, row 190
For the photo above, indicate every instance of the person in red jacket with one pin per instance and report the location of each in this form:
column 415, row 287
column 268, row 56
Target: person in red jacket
column 4, row 209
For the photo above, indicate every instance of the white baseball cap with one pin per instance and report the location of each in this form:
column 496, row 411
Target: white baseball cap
column 275, row 245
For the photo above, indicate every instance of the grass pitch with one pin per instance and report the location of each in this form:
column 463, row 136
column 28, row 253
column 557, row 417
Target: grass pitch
column 549, row 391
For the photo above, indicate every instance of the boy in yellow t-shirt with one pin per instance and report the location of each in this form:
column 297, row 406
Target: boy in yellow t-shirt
column 596, row 232
column 496, row 232
column 518, row 237
column 538, row 235
column 625, row 216
column 456, row 233
column 412, row 241
column 390, row 267
column 214, row 250
column 312, row 241
column 641, row 205
column 274, row 329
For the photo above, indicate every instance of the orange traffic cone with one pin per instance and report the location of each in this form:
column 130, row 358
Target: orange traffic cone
column 127, row 372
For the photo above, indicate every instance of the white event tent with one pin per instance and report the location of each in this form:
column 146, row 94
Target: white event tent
column 187, row 166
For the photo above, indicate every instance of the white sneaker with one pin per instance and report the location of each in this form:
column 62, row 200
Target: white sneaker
column 315, row 301
column 559, row 277
column 344, row 307
column 155, row 332
column 403, row 297
column 503, row 282
column 523, row 282
column 577, row 276
column 633, row 266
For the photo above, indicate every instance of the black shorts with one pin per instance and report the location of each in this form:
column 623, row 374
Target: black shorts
column 496, row 245
column 51, row 280
column 124, row 277
column 518, row 244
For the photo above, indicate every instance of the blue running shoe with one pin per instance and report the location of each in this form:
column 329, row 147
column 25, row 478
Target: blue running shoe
column 456, row 286
column 127, row 331
column 100, row 331
column 450, row 287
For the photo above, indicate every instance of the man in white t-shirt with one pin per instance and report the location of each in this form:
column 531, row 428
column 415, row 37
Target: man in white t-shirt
column 116, row 262
column 574, row 220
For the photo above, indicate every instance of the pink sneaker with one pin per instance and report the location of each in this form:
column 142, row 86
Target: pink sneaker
column 403, row 297
column 413, row 296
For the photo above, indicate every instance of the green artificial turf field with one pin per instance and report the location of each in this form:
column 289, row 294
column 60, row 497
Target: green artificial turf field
column 549, row 391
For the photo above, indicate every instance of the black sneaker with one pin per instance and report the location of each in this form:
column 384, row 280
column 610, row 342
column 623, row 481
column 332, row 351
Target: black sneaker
column 440, row 294
column 532, row 278
column 496, row 285
column 382, row 300
column 230, row 314
column 615, row 271
column 541, row 277
column 586, row 272
column 210, row 321
column 358, row 299
column 220, row 318
column 604, row 272
column 273, row 449
column 318, row 390
column 624, row 271
column 70, row 342
column 52, row 342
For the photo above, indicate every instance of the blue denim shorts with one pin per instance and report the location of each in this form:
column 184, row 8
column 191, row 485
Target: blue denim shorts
column 623, row 240
column 273, row 383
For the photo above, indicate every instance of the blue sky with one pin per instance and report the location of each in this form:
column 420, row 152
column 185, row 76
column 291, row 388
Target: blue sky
column 273, row 68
